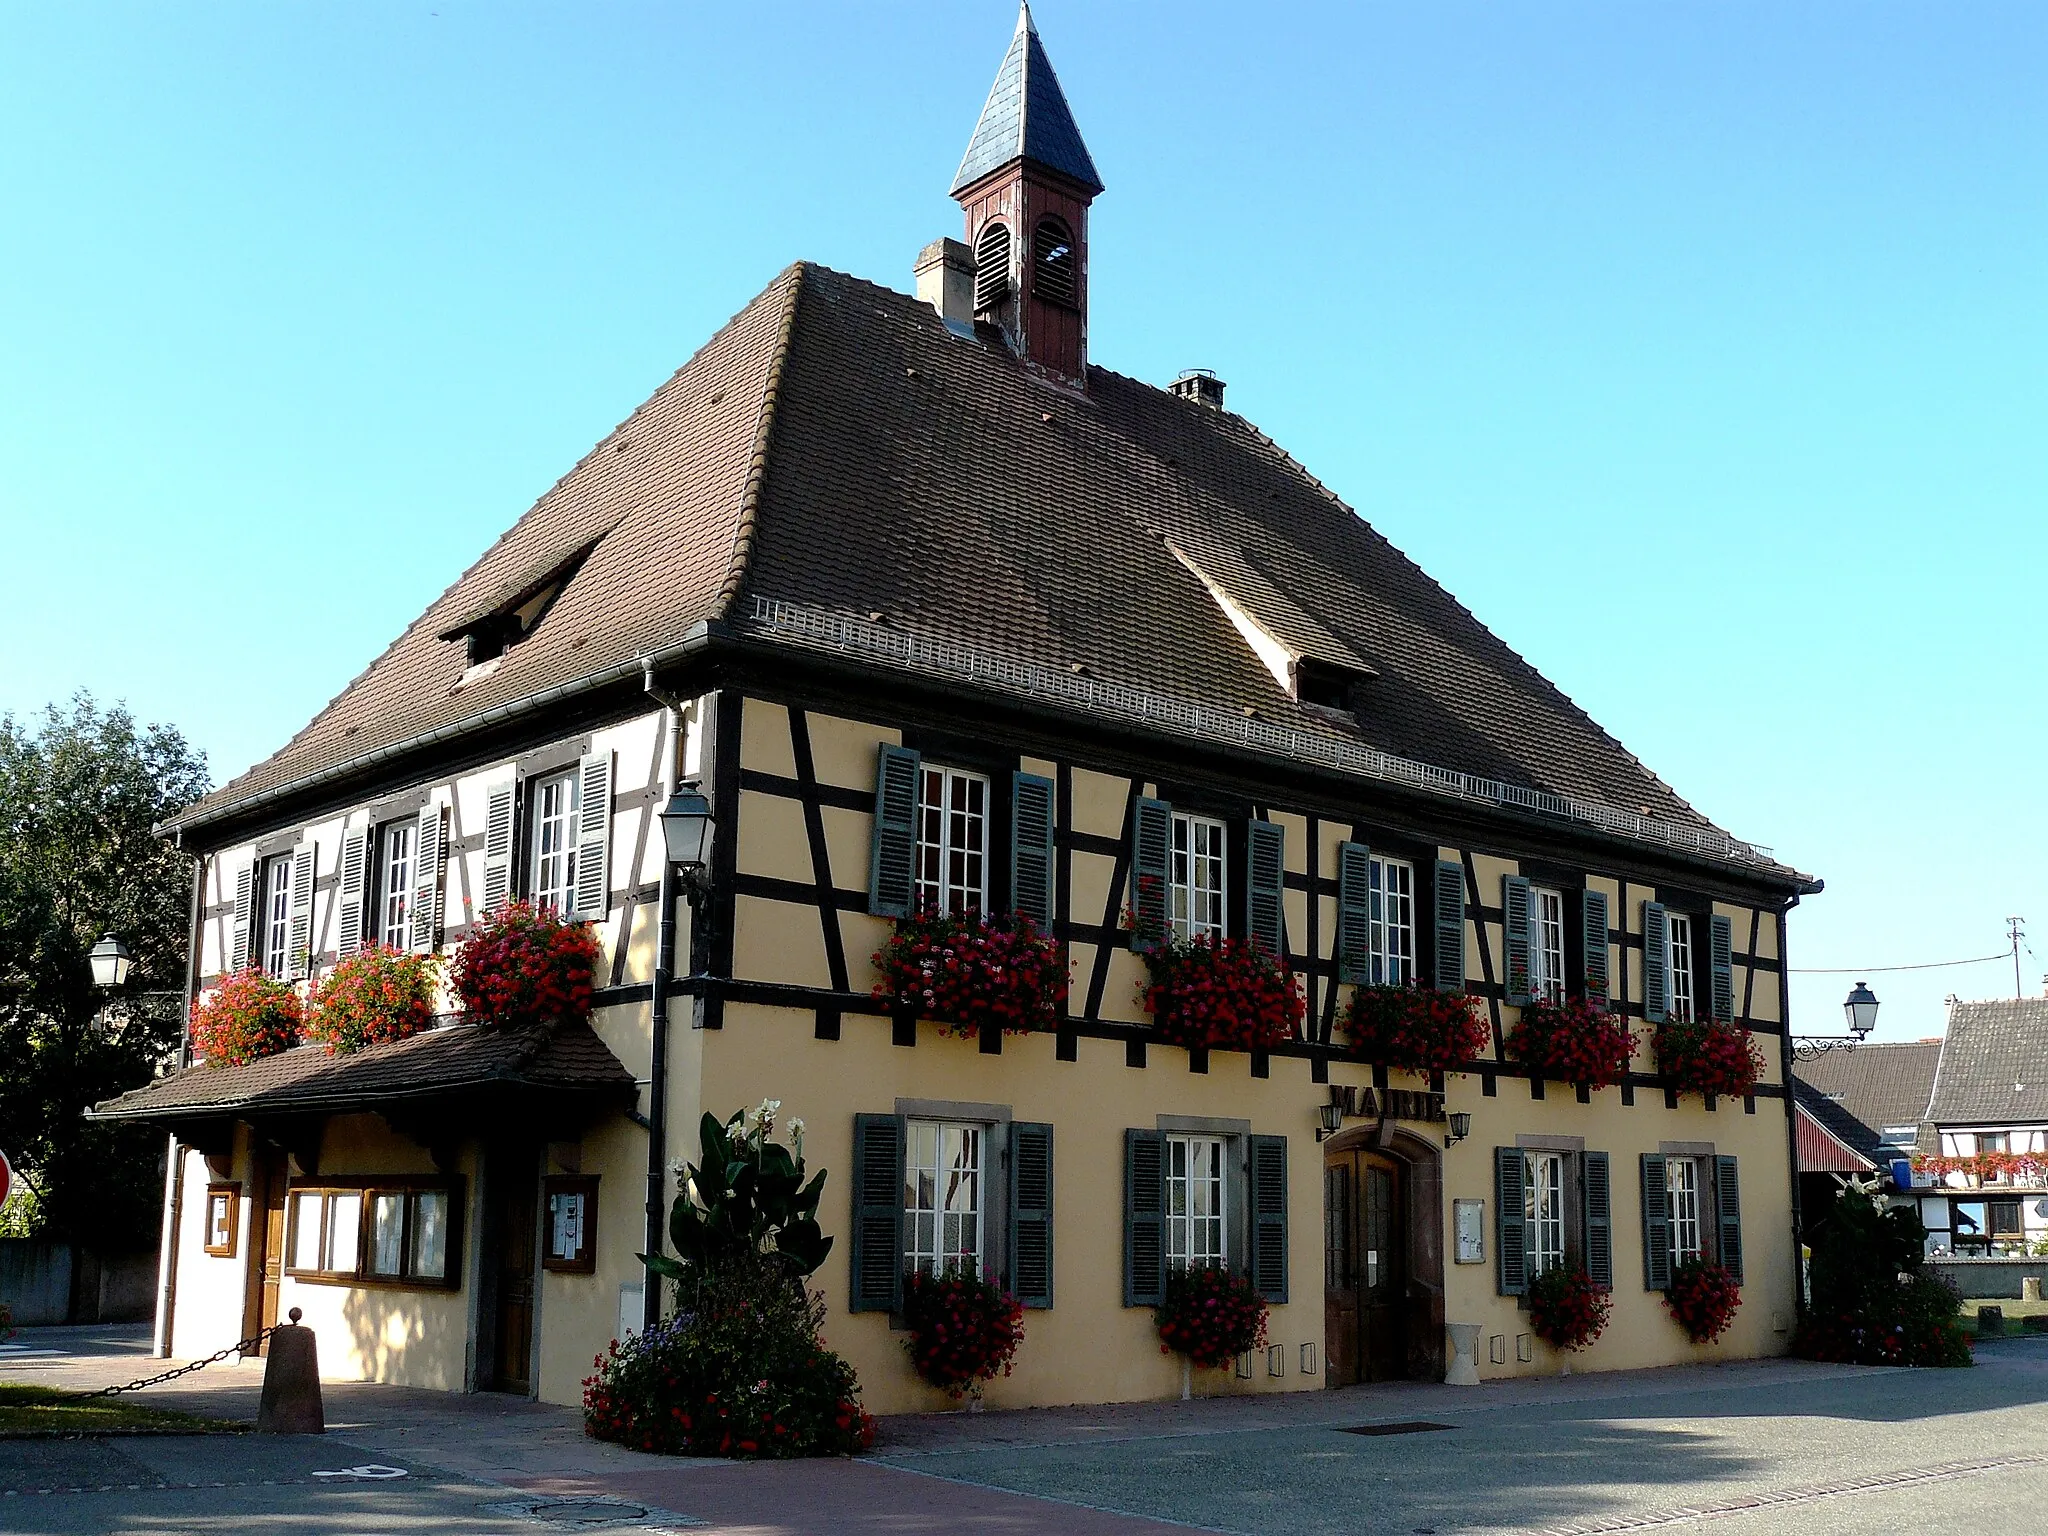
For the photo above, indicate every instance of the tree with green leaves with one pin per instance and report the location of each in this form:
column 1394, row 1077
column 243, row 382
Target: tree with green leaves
column 81, row 788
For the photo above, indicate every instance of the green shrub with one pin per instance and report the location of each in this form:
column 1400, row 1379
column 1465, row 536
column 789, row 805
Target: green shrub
column 1873, row 1303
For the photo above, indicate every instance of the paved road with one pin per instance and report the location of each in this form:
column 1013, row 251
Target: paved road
column 1770, row 1449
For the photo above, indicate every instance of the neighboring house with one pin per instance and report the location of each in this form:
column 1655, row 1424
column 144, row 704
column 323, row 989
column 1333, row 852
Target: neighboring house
column 936, row 610
column 1860, row 1112
column 1988, row 1114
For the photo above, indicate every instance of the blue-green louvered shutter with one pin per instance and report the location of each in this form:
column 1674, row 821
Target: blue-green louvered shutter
column 1599, row 1220
column 1721, row 966
column 1515, row 936
column 1269, row 1217
column 1510, row 1211
column 1728, row 1212
column 1593, row 916
column 1266, row 885
column 877, row 1280
column 1151, row 868
column 1144, row 1218
column 1656, row 965
column 1031, row 1213
column 1656, row 1224
column 1354, row 913
column 1450, row 926
column 1032, row 801
column 892, row 874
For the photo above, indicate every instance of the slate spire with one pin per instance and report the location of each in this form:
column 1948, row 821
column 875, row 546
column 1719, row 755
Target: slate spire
column 1026, row 117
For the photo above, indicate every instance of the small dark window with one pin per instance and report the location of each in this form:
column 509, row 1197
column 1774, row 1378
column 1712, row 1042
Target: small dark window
column 1052, row 256
column 1326, row 686
column 991, row 266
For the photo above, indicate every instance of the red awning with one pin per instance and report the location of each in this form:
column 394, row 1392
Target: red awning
column 1820, row 1150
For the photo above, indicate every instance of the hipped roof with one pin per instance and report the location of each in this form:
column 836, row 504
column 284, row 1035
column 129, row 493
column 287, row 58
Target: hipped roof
column 837, row 447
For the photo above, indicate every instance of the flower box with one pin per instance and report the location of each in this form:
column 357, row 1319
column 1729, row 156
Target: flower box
column 523, row 967
column 1703, row 1298
column 1566, row 1310
column 964, row 970
column 247, row 1017
column 964, row 1329
column 375, row 995
column 1417, row 1029
column 1576, row 1042
column 1226, row 994
column 1708, row 1056
column 1211, row 1316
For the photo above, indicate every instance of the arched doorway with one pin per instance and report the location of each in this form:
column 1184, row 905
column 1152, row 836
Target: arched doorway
column 1383, row 1311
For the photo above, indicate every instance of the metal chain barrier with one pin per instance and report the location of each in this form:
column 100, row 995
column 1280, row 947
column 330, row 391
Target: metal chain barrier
column 243, row 1347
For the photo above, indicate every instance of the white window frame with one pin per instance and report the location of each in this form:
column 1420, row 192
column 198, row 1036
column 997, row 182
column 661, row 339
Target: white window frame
column 1199, row 876
column 952, row 839
column 276, row 914
column 552, row 863
column 945, row 1195
column 1197, row 1202
column 394, row 883
column 1543, row 1191
column 1678, row 967
column 1546, row 943
column 1392, row 920
column 1688, row 1192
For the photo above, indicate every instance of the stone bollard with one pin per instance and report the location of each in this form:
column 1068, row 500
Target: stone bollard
column 2030, row 1288
column 291, row 1384
column 1990, row 1322
column 1464, row 1363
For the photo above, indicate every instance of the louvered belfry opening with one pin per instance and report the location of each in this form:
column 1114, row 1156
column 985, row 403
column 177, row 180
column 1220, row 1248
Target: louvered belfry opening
column 991, row 266
column 1054, row 278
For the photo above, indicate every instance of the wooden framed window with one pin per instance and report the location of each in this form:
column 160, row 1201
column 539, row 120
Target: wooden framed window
column 223, row 1219
column 387, row 1231
column 571, row 1207
column 1198, row 875
column 275, row 916
column 952, row 840
column 1686, row 1180
column 944, row 1197
column 1543, row 1207
column 1678, row 960
column 1546, row 944
column 1197, row 1200
column 553, row 881
column 394, row 884
column 1393, row 921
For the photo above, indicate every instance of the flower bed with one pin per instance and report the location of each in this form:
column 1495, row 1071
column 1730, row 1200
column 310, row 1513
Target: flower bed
column 741, row 1373
column 964, row 1329
column 1566, row 1310
column 522, row 968
column 1417, row 1029
column 1708, row 1056
column 247, row 1017
column 962, row 970
column 1573, row 1042
column 1703, row 1298
column 373, row 996
column 1210, row 1315
column 1230, row 994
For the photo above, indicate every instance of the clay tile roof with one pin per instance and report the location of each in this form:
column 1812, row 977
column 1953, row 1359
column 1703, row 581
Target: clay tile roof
column 1858, row 1094
column 1994, row 1065
column 837, row 448
column 439, row 1062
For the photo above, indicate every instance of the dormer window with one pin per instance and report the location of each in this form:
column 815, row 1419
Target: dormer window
column 1053, row 267
column 991, row 266
column 1326, row 686
column 514, row 609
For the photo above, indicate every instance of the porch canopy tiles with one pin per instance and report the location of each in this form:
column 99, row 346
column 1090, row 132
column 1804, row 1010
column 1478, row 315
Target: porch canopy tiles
column 435, row 1085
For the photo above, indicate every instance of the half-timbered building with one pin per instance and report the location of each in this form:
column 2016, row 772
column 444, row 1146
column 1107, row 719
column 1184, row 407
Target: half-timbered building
column 934, row 608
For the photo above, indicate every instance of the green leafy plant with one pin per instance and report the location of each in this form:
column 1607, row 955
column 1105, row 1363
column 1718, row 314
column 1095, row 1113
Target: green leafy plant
column 745, row 1197
column 1874, row 1303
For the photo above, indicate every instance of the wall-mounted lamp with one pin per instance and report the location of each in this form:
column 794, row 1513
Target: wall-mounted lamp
column 1461, row 1127
column 686, row 829
column 1329, row 1120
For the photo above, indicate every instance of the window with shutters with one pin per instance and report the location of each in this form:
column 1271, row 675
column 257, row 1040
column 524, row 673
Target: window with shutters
column 1678, row 958
column 1055, row 274
column 1543, row 1192
column 944, row 1211
column 1197, row 877
column 1196, row 1217
column 1685, row 1179
column 1546, row 944
column 394, row 884
column 1393, row 922
column 274, row 931
column 553, row 881
column 952, row 840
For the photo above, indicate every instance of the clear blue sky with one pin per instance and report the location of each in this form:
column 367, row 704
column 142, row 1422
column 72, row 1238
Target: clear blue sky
column 1701, row 349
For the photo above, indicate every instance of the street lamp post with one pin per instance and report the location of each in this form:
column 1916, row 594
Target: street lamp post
column 1859, row 1010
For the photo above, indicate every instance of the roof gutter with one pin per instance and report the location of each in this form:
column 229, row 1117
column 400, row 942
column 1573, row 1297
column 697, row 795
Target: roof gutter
column 698, row 640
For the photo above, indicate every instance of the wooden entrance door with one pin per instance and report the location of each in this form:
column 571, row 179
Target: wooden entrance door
column 512, row 1223
column 1365, row 1279
column 267, row 1183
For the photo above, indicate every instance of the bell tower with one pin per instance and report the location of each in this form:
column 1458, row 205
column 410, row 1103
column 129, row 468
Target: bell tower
column 1026, row 183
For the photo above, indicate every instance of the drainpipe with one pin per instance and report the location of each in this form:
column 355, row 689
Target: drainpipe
column 664, row 982
column 174, row 1166
column 1791, row 1110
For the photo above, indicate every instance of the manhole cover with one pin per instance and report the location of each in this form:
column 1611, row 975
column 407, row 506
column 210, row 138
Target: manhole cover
column 592, row 1512
column 1407, row 1427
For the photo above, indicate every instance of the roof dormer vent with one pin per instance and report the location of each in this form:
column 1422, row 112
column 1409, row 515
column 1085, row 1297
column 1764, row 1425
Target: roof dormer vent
column 1200, row 386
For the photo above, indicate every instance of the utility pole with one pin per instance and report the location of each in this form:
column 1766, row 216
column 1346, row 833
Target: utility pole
column 2016, row 931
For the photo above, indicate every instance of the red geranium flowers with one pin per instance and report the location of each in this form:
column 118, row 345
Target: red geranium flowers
column 1708, row 1056
column 1576, row 1041
column 247, row 1017
column 963, row 969
column 1416, row 1029
column 525, row 968
column 1227, row 993
column 371, row 997
column 964, row 1329
column 1566, row 1309
column 1210, row 1315
column 1703, row 1298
